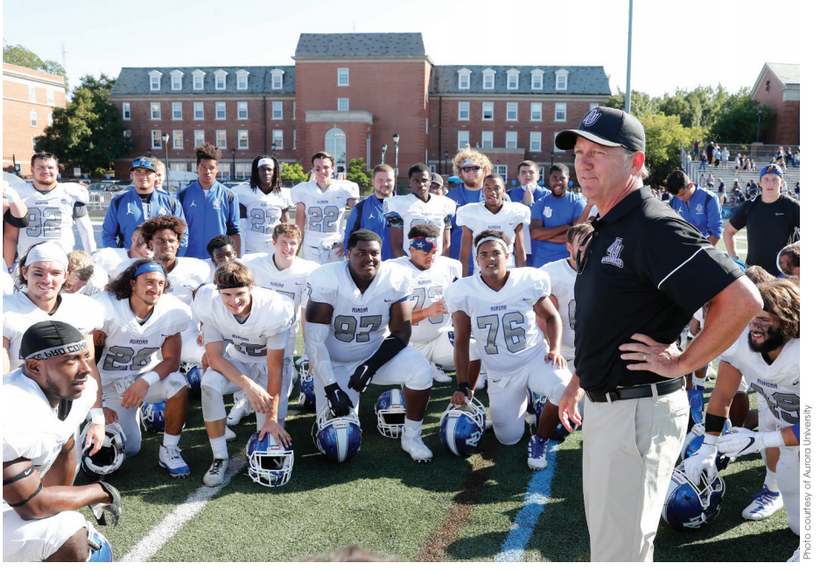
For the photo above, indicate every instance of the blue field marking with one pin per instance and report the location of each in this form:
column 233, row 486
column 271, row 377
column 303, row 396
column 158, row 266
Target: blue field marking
column 538, row 493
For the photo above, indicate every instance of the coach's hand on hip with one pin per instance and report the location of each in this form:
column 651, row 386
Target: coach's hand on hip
column 650, row 355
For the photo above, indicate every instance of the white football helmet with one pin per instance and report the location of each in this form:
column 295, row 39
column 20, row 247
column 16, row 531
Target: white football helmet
column 108, row 460
column 390, row 410
column 268, row 463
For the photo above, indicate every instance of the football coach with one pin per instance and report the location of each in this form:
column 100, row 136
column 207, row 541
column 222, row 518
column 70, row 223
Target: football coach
column 642, row 273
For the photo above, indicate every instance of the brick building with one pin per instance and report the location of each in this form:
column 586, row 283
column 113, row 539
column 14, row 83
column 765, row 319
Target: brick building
column 349, row 94
column 779, row 86
column 29, row 97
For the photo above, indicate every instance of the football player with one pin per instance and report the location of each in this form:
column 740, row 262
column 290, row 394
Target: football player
column 255, row 323
column 418, row 207
column 500, row 307
column 44, row 403
column 357, row 332
column 263, row 204
column 495, row 213
column 110, row 258
column 319, row 210
column 221, row 248
column 84, row 277
column 769, row 358
column 139, row 346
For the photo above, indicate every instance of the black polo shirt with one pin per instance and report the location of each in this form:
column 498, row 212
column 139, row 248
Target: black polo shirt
column 647, row 271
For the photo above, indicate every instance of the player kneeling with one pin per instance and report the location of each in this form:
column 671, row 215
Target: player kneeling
column 140, row 342
column 255, row 323
column 500, row 307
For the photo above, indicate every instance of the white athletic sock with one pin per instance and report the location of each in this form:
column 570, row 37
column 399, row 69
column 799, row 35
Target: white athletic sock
column 219, row 446
column 171, row 440
column 413, row 427
column 771, row 480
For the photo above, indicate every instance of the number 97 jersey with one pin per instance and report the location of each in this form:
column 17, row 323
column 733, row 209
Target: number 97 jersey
column 51, row 215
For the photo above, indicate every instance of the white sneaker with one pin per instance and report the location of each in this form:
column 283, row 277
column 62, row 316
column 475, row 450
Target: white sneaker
column 170, row 458
column 229, row 434
column 415, row 447
column 764, row 504
column 439, row 376
column 537, row 447
column 215, row 475
column 240, row 410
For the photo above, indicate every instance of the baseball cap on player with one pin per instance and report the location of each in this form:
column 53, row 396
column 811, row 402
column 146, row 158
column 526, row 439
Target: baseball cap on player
column 607, row 127
column 145, row 163
column 771, row 169
column 436, row 178
column 51, row 338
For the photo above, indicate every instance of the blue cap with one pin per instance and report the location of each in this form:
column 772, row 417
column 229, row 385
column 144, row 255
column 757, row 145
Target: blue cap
column 771, row 168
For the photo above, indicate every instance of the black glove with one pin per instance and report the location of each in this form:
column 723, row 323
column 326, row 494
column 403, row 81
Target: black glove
column 114, row 508
column 339, row 401
column 359, row 380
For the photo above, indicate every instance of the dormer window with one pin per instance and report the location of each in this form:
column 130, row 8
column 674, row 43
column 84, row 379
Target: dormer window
column 513, row 79
column 241, row 79
column 176, row 80
column 221, row 79
column 198, row 80
column 155, row 79
column 488, row 78
column 463, row 78
column 278, row 79
column 562, row 80
column 536, row 80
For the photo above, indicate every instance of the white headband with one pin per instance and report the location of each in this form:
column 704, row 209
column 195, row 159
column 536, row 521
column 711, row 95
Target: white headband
column 47, row 252
column 495, row 239
column 266, row 161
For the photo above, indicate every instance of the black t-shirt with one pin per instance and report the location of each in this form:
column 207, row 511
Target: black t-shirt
column 770, row 227
column 647, row 271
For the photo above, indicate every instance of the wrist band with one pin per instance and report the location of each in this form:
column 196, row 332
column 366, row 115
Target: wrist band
column 97, row 416
column 714, row 423
column 463, row 387
column 151, row 378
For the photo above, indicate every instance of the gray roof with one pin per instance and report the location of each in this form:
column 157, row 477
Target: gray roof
column 136, row 81
column 582, row 80
column 360, row 46
column 788, row 74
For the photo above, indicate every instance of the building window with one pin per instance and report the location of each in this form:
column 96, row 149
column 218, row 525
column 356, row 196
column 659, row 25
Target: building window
column 176, row 108
column 50, row 95
column 224, row 170
column 559, row 112
column 511, row 111
column 488, row 111
column 156, row 111
column 278, row 110
column 536, row 112
column 198, row 138
column 593, row 106
column 487, row 140
column 33, row 118
column 241, row 110
column 32, row 93
column 198, row 110
column 244, row 139
column 155, row 79
column 278, row 138
column 488, row 79
column 50, row 119
column 462, row 139
column 463, row 79
column 278, row 80
column 126, row 134
column 513, row 79
column 178, row 139
column 221, row 139
column 126, row 111
column 241, row 79
column 221, row 110
column 501, row 170
column 221, row 80
column 536, row 142
column 198, row 80
column 562, row 80
column 536, row 80
column 343, row 76
column 463, row 111
column 343, row 104
column 294, row 134
column 178, row 167
column 511, row 139
column 156, row 139
column 176, row 80
column 243, row 170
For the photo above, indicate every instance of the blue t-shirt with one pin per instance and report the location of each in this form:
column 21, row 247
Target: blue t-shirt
column 368, row 214
column 461, row 196
column 208, row 215
column 554, row 212
column 516, row 194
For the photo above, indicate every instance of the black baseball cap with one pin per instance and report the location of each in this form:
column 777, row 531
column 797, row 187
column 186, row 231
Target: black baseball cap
column 607, row 127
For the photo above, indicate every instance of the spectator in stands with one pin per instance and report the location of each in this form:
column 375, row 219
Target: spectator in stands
column 710, row 153
column 797, row 190
column 711, row 182
column 796, row 158
column 752, row 165
column 716, row 156
column 739, row 163
column 725, row 157
column 703, row 163
column 721, row 188
column 788, row 156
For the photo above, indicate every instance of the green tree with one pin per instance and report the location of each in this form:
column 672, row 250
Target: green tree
column 641, row 103
column 698, row 108
column 739, row 123
column 89, row 131
column 293, row 173
column 357, row 173
column 21, row 56
column 665, row 135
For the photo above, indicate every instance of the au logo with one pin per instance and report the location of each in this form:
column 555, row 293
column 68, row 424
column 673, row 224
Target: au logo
column 474, row 439
column 591, row 117
column 547, row 212
column 614, row 252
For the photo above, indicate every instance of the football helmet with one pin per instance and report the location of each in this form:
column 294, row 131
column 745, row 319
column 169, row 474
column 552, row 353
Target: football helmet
column 108, row 460
column 306, row 386
column 338, row 438
column 690, row 505
column 462, row 427
column 390, row 410
column 152, row 416
column 694, row 441
column 193, row 375
column 99, row 549
column 268, row 463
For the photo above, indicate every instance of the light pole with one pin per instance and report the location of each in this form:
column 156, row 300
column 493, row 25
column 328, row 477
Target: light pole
column 383, row 153
column 233, row 151
column 758, row 128
column 446, row 164
column 396, row 139
column 165, row 139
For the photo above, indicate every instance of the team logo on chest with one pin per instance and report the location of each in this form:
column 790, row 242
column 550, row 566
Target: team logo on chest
column 547, row 212
column 614, row 252
column 699, row 209
column 217, row 204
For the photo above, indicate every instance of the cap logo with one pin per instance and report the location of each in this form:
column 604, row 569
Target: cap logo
column 591, row 117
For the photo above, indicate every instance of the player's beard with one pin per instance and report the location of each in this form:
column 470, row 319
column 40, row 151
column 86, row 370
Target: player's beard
column 772, row 340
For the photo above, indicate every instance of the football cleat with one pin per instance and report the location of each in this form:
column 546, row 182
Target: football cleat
column 268, row 463
column 390, row 409
column 170, row 458
column 537, row 450
column 108, row 460
column 690, row 505
column 241, row 408
column 215, row 475
column 764, row 504
column 193, row 376
column 439, row 375
column 693, row 441
column 415, row 446
column 462, row 427
column 152, row 417
column 338, row 438
column 307, row 386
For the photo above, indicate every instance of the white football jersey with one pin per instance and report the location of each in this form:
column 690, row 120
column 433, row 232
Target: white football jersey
column 267, row 326
column 477, row 218
column 563, row 278
column 503, row 323
column 779, row 382
column 50, row 215
column 290, row 282
column 324, row 209
column 427, row 288
column 110, row 259
column 131, row 348
column 8, row 283
column 20, row 313
column 32, row 429
column 439, row 211
column 263, row 212
column 185, row 278
column 360, row 321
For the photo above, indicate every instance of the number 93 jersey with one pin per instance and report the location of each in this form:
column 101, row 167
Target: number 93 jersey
column 324, row 210
column 267, row 326
column 503, row 323
column 51, row 215
column 263, row 211
column 779, row 382
column 131, row 348
column 360, row 321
